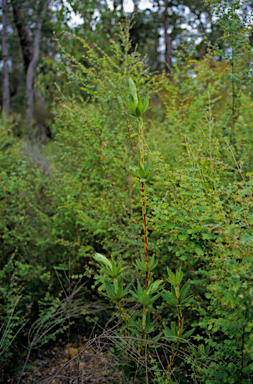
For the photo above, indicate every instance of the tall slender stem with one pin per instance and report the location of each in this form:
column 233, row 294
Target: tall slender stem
column 141, row 136
column 129, row 175
column 144, row 205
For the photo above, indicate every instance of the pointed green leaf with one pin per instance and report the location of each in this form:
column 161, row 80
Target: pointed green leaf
column 174, row 329
column 156, row 338
column 155, row 298
column 126, row 289
column 139, row 105
column 145, row 104
column 171, row 276
column 168, row 332
column 179, row 275
column 139, row 287
column 184, row 291
column 120, row 287
column 186, row 301
column 128, row 102
column 141, row 172
column 154, row 287
column 110, row 288
column 133, row 90
column 102, row 259
column 188, row 333
column 167, row 297
column 132, row 107
column 147, row 176
column 133, row 173
column 138, row 112
column 134, row 295
column 146, row 167
column 173, row 292
column 150, row 327
column 141, row 264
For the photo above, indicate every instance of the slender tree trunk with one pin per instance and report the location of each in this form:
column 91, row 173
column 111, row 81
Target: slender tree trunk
column 157, row 41
column 122, row 5
column 6, row 91
column 19, row 16
column 167, row 39
column 32, row 64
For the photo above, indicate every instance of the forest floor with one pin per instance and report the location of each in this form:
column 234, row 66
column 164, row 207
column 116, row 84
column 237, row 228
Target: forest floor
column 71, row 362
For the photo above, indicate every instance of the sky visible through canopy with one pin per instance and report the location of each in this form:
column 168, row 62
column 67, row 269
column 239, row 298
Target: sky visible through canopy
column 128, row 7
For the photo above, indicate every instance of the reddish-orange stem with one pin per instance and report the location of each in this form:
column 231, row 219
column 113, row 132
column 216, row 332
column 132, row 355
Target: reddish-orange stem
column 180, row 321
column 143, row 201
column 145, row 229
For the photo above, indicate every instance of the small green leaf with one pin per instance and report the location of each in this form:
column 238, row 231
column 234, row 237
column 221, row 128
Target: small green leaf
column 183, row 237
column 199, row 250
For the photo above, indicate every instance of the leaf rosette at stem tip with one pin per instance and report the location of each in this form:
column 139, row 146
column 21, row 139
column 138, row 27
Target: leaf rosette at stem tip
column 146, row 267
column 171, row 334
column 143, row 174
column 136, row 106
column 116, row 289
column 111, row 278
column 137, row 325
column 147, row 297
column 109, row 267
column 177, row 297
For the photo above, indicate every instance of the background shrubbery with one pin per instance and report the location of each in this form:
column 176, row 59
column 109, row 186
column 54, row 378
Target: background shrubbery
column 66, row 200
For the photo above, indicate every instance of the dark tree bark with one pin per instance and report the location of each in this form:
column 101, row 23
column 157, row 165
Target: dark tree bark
column 30, row 48
column 23, row 32
column 33, row 63
column 116, row 3
column 6, row 91
column 168, row 51
column 157, row 43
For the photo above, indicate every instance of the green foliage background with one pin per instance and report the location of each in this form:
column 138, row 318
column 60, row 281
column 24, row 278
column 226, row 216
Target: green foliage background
column 75, row 197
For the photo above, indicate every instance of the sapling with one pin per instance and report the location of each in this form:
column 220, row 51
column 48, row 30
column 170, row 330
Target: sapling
column 176, row 297
column 142, row 172
column 138, row 109
column 112, row 273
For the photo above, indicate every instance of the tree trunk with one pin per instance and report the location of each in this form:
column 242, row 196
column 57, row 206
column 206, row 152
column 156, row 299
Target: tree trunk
column 32, row 64
column 157, row 41
column 6, row 91
column 23, row 32
column 168, row 52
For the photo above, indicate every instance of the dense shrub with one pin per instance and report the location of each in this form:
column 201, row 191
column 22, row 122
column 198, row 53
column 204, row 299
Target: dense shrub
column 83, row 198
column 193, row 203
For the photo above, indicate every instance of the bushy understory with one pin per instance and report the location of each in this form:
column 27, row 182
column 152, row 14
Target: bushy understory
column 161, row 197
